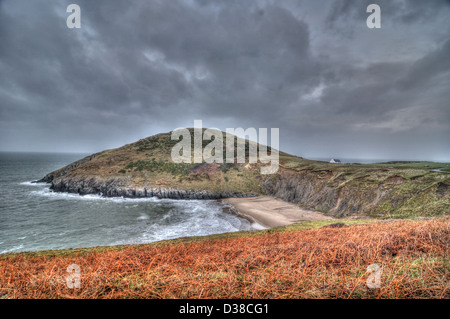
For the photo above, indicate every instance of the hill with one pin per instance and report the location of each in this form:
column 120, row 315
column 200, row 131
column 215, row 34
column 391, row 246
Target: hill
column 145, row 168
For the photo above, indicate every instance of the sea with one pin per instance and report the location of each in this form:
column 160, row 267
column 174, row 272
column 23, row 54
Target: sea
column 32, row 217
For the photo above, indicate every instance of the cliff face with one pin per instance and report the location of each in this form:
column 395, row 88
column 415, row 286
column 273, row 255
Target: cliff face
column 122, row 187
column 313, row 193
column 394, row 196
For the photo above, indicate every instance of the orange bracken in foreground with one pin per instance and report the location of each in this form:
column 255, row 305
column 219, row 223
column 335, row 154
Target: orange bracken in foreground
column 317, row 263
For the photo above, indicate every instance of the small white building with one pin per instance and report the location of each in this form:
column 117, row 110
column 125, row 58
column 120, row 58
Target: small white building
column 335, row 161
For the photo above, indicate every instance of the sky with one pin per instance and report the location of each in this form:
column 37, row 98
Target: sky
column 312, row 68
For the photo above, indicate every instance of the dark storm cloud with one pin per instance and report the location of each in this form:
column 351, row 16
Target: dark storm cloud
column 311, row 68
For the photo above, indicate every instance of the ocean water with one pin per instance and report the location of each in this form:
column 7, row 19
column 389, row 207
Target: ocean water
column 34, row 218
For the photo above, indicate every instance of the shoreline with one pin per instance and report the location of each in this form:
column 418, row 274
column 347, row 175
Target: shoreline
column 272, row 212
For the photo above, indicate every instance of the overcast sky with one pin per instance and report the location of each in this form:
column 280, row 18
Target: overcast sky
column 311, row 68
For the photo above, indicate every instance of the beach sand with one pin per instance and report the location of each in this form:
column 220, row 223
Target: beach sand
column 272, row 212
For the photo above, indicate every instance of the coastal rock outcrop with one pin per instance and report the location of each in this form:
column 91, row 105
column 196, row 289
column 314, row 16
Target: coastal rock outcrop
column 117, row 187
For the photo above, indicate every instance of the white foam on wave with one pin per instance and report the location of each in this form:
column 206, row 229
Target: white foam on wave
column 11, row 249
column 204, row 218
column 31, row 183
column 186, row 218
column 143, row 217
column 46, row 192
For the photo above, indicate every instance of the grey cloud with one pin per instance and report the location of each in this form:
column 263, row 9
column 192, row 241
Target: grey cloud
column 311, row 68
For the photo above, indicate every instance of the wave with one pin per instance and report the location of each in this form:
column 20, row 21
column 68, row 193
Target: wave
column 11, row 249
column 143, row 217
column 46, row 192
column 31, row 183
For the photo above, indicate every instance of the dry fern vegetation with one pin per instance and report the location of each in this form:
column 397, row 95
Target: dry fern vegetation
column 305, row 260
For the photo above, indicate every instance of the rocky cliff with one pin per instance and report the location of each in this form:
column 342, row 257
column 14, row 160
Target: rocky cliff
column 119, row 187
column 378, row 193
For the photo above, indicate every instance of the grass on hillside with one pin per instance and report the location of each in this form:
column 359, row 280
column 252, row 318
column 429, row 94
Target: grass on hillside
column 324, row 262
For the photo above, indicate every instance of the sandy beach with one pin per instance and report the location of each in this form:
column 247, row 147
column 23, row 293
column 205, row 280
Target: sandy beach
column 272, row 212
